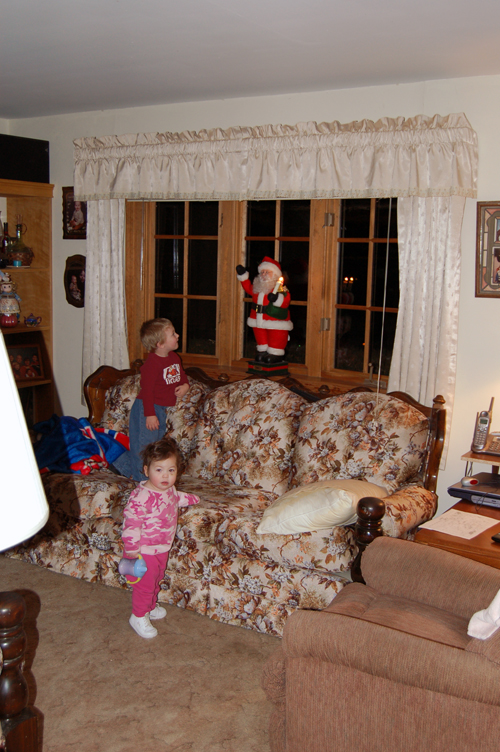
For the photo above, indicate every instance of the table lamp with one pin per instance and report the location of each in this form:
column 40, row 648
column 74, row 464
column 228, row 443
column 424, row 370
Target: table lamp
column 23, row 506
column 23, row 511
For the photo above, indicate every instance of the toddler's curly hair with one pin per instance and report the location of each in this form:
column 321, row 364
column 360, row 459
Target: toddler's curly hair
column 162, row 450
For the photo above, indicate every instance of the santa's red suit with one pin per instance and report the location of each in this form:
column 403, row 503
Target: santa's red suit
column 270, row 321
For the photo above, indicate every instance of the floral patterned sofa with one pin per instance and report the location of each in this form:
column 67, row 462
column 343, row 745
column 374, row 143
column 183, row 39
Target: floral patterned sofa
column 246, row 443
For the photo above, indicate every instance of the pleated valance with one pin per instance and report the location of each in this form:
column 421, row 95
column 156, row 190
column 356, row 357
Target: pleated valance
column 419, row 156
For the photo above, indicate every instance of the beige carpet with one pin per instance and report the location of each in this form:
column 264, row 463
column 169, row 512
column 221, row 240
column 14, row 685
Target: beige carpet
column 101, row 688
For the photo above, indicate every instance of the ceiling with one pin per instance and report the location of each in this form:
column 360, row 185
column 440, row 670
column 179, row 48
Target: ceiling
column 60, row 57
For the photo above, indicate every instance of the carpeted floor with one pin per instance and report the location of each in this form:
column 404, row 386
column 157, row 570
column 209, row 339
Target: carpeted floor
column 101, row 688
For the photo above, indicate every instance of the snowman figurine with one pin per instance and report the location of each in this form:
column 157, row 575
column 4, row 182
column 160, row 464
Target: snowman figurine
column 9, row 299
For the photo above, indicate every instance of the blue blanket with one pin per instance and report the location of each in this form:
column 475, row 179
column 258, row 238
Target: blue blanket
column 71, row 445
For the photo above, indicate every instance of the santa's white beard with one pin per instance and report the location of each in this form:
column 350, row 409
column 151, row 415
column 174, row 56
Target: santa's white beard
column 263, row 285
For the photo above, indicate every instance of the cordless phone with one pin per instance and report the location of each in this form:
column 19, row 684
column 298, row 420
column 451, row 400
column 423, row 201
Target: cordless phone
column 481, row 432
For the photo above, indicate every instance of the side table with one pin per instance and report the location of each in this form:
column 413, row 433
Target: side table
column 481, row 548
column 485, row 459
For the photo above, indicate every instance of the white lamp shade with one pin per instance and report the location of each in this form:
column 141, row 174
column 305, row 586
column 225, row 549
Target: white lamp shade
column 23, row 506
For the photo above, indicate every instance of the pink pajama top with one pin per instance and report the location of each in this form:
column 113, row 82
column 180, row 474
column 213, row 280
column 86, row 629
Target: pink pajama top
column 150, row 519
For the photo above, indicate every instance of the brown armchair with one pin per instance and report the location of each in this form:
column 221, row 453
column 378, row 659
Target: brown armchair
column 389, row 665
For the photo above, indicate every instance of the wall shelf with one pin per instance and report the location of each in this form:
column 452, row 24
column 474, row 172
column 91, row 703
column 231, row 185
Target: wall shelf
column 34, row 285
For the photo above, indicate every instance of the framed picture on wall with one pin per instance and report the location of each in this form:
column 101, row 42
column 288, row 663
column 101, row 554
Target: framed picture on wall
column 74, row 216
column 26, row 362
column 74, row 280
column 488, row 249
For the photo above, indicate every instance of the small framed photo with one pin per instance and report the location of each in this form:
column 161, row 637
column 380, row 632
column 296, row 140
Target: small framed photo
column 488, row 250
column 26, row 362
column 74, row 280
column 74, row 216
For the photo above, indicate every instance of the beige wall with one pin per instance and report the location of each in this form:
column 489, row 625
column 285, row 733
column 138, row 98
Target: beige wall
column 478, row 98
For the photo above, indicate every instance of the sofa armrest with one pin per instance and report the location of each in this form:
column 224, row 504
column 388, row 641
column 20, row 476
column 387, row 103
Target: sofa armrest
column 429, row 575
column 407, row 508
column 323, row 637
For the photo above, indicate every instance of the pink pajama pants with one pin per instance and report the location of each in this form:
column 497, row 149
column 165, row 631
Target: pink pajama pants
column 145, row 591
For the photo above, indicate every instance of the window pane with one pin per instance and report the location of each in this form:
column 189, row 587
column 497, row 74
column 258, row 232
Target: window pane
column 388, row 343
column 261, row 218
column 248, row 337
column 295, row 266
column 256, row 250
column 201, row 322
column 169, row 267
column 168, row 308
column 352, row 274
column 170, row 218
column 296, row 350
column 202, row 277
column 350, row 340
column 295, row 217
column 355, row 218
column 203, row 217
column 379, row 259
column 382, row 216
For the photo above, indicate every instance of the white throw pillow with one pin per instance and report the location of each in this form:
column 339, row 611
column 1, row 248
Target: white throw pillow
column 317, row 506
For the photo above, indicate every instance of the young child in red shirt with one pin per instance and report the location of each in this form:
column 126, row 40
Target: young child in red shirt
column 163, row 382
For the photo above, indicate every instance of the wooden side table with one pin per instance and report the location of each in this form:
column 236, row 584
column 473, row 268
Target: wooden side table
column 481, row 548
column 485, row 459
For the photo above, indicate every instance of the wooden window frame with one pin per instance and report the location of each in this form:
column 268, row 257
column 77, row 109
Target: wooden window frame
column 322, row 286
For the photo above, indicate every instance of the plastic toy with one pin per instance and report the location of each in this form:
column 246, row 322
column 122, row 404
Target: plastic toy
column 132, row 568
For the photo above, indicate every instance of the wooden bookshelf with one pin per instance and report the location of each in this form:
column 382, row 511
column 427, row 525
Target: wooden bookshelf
column 34, row 286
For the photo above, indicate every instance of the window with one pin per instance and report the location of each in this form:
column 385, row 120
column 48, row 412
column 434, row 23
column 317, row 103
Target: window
column 336, row 256
column 186, row 260
column 365, row 261
column 280, row 230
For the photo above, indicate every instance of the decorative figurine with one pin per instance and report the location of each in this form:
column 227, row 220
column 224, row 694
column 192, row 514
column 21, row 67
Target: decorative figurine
column 32, row 320
column 9, row 299
column 19, row 254
column 269, row 317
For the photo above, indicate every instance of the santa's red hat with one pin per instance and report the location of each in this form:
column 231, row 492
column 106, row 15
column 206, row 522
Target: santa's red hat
column 270, row 264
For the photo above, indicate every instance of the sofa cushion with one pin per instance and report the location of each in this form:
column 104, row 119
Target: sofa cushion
column 363, row 602
column 246, row 434
column 380, row 439
column 317, row 506
column 118, row 403
column 99, row 494
column 228, row 516
column 181, row 419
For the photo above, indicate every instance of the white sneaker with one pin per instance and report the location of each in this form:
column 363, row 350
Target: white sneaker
column 143, row 626
column 158, row 612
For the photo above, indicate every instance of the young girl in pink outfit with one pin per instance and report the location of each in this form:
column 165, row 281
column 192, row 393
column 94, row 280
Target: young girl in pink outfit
column 149, row 525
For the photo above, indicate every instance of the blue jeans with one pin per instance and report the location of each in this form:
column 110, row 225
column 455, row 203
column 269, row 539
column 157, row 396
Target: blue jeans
column 130, row 463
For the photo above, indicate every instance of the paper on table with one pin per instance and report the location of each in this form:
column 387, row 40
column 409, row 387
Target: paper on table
column 461, row 524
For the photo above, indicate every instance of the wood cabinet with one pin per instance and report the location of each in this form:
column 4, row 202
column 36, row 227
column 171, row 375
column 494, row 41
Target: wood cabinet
column 34, row 286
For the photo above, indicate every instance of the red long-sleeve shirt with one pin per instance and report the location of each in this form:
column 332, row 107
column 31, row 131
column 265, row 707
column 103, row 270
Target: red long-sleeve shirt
column 159, row 379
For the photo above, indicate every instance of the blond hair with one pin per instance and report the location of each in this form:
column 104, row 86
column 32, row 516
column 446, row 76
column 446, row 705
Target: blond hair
column 152, row 332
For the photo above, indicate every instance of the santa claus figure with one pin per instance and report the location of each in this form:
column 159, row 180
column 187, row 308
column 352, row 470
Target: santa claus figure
column 269, row 317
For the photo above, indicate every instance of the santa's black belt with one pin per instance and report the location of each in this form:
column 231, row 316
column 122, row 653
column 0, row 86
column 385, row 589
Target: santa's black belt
column 272, row 311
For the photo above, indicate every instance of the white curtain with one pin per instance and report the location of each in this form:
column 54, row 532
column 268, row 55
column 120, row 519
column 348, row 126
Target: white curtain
column 420, row 156
column 105, row 322
column 424, row 358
